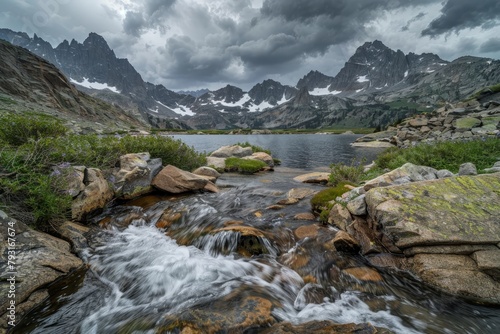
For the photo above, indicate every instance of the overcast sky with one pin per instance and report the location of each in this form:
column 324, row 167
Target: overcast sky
column 192, row 44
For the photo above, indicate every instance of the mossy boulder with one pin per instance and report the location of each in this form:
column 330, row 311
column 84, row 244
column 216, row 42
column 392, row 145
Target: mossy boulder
column 467, row 123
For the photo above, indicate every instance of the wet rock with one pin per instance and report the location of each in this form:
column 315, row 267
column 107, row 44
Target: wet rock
column 458, row 275
column 232, row 151
column 364, row 274
column 467, row 168
column 316, row 177
column 304, row 216
column 340, row 217
column 311, row 294
column 251, row 241
column 209, row 172
column 74, row 233
column 168, row 218
column 488, row 261
column 40, row 260
column 307, row 231
column 232, row 314
column 295, row 195
column 95, row 196
column 275, row 207
column 134, row 174
column 324, row 327
column 175, row 180
column 343, row 242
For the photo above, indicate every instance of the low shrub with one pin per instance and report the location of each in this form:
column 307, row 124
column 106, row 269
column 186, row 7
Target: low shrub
column 244, row 166
column 18, row 129
column 341, row 172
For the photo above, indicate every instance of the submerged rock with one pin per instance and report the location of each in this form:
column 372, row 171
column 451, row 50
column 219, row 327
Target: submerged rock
column 316, row 177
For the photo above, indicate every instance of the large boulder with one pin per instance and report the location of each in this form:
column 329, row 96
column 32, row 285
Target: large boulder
column 133, row 176
column 39, row 260
column 95, row 196
column 261, row 156
column 174, row 180
column 449, row 228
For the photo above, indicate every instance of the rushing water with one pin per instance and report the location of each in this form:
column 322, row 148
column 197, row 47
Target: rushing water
column 140, row 277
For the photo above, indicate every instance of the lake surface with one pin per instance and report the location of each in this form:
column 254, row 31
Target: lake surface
column 301, row 151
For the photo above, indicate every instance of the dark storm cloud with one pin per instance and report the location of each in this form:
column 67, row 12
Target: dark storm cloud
column 151, row 15
column 414, row 19
column 133, row 24
column 457, row 15
column 492, row 45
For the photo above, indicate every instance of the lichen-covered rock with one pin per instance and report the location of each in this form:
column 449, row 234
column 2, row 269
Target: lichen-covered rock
column 457, row 210
column 357, row 206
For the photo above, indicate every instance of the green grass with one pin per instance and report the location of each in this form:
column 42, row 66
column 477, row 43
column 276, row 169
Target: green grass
column 31, row 145
column 443, row 155
column 321, row 202
column 244, row 166
column 352, row 173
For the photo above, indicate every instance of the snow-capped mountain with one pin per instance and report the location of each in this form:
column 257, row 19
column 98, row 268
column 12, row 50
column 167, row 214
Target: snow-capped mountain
column 359, row 95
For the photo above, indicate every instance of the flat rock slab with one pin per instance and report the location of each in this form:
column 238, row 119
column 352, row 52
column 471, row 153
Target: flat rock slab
column 316, row 177
column 453, row 211
column 374, row 144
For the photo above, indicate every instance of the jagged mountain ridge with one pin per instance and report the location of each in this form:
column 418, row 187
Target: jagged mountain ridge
column 372, row 78
column 29, row 82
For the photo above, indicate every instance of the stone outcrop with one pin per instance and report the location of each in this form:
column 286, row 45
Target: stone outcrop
column 95, row 196
column 217, row 159
column 174, row 180
column 39, row 259
column 446, row 229
column 133, row 176
column 474, row 119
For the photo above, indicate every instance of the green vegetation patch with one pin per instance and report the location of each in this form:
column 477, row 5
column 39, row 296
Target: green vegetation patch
column 33, row 144
column 321, row 203
column 341, row 172
column 244, row 166
column 443, row 155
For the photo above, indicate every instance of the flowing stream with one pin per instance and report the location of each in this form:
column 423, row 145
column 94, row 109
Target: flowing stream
column 139, row 276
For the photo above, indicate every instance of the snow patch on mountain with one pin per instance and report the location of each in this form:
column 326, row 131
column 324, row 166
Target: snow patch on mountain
column 323, row 91
column 94, row 85
column 239, row 103
column 362, row 78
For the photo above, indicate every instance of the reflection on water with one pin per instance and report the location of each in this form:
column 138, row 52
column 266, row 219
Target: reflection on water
column 304, row 151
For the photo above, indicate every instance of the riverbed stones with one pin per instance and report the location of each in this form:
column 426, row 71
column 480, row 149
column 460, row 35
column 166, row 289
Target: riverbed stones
column 132, row 178
column 40, row 260
column 174, row 180
column 95, row 196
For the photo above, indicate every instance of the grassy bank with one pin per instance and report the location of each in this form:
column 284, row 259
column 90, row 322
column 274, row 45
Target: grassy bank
column 32, row 144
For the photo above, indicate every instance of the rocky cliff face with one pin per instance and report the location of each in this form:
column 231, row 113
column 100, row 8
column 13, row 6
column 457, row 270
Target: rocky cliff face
column 30, row 82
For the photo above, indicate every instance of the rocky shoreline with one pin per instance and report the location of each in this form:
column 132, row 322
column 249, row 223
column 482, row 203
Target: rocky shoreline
column 440, row 227
column 474, row 119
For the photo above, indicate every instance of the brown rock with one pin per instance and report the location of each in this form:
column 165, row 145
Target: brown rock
column 343, row 242
column 310, row 231
column 488, row 261
column 340, row 217
column 262, row 156
column 316, row 177
column 209, row 172
column 304, row 216
column 175, row 180
column 323, row 327
column 95, row 196
column 364, row 274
